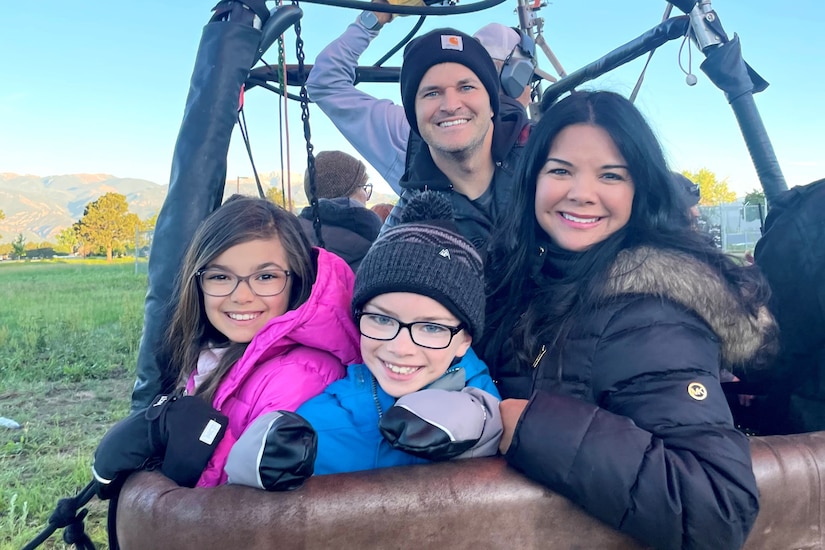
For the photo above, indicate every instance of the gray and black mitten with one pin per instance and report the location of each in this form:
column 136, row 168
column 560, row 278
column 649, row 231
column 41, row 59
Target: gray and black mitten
column 438, row 424
column 276, row 452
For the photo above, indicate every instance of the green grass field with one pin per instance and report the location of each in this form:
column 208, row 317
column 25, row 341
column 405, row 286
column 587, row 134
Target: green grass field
column 69, row 333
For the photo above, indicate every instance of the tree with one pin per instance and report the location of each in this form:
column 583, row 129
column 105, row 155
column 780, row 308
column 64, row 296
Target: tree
column 107, row 223
column 149, row 223
column 2, row 217
column 67, row 240
column 274, row 194
column 83, row 247
column 18, row 247
column 34, row 246
column 714, row 191
column 753, row 199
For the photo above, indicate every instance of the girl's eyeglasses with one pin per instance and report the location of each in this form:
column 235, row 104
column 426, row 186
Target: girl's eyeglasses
column 220, row 283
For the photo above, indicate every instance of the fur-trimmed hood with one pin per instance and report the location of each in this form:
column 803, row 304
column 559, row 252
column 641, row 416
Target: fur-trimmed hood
column 695, row 285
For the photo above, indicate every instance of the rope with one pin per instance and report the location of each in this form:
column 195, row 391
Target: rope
column 401, row 42
column 67, row 517
column 245, row 136
column 638, row 85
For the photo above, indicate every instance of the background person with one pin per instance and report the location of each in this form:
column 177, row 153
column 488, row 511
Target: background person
column 792, row 257
column 342, row 187
column 608, row 326
column 382, row 209
column 690, row 193
column 510, row 48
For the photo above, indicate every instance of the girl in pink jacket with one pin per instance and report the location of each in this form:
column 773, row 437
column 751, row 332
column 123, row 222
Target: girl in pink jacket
column 262, row 321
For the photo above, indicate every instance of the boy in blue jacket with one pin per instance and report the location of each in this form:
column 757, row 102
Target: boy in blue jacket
column 421, row 393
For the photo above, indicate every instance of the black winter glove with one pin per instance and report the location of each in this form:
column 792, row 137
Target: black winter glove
column 178, row 433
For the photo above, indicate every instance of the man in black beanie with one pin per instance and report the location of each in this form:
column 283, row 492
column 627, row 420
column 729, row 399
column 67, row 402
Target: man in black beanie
column 450, row 92
column 378, row 128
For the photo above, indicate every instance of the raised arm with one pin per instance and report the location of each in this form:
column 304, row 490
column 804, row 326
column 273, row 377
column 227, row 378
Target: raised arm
column 377, row 128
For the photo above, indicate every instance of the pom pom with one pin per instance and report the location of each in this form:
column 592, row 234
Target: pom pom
column 427, row 206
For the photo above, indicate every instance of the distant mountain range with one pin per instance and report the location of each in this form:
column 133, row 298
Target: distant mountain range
column 41, row 207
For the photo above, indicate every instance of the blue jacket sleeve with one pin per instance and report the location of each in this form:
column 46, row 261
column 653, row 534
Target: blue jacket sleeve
column 657, row 455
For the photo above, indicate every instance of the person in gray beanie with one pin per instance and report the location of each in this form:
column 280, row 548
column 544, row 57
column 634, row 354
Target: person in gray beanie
column 421, row 393
column 338, row 174
column 348, row 228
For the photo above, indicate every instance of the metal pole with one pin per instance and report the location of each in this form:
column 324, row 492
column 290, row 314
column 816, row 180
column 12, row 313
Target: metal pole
column 137, row 244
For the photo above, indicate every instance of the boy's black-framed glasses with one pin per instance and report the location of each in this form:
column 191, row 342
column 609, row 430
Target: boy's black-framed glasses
column 220, row 283
column 426, row 334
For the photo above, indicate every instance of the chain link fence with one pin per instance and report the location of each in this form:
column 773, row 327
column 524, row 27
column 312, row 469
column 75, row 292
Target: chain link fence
column 735, row 228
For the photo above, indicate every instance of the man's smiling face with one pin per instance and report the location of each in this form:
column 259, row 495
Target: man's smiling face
column 452, row 109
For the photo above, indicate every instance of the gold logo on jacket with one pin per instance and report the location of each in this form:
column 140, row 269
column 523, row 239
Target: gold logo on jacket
column 697, row 391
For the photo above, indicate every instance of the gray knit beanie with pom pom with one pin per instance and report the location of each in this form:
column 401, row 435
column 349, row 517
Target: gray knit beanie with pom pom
column 426, row 255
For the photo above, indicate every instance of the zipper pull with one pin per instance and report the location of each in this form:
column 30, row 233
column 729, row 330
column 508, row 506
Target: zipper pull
column 542, row 351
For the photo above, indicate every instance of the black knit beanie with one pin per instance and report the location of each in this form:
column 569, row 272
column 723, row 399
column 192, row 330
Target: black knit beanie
column 689, row 190
column 445, row 46
column 337, row 174
column 425, row 255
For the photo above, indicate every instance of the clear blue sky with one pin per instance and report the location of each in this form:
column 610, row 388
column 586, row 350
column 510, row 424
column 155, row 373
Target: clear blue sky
column 99, row 87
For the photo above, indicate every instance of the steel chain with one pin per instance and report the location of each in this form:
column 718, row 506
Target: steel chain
column 313, row 198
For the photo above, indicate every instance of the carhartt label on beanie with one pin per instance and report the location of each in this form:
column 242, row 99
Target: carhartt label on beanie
column 452, row 42
column 445, row 46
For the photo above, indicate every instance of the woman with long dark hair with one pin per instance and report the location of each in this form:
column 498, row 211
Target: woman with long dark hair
column 608, row 323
